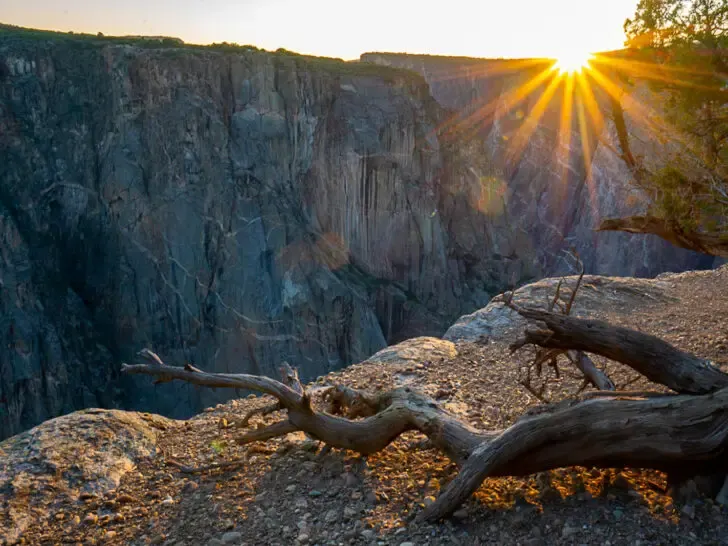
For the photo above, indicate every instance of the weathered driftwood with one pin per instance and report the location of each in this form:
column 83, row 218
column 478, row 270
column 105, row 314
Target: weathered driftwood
column 652, row 357
column 664, row 432
column 582, row 362
column 594, row 375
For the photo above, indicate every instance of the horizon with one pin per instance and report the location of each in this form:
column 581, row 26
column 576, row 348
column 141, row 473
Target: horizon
column 539, row 31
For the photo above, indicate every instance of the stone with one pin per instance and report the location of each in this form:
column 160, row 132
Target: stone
column 232, row 537
column 688, row 510
column 460, row 513
column 94, row 447
column 332, row 516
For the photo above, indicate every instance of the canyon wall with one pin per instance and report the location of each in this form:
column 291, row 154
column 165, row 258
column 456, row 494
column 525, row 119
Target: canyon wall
column 566, row 174
column 235, row 209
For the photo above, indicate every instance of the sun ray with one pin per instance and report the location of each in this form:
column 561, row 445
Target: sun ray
column 586, row 141
column 586, row 137
column 477, row 68
column 531, row 122
column 563, row 148
column 565, row 118
column 486, row 113
column 648, row 118
column 656, row 72
column 587, row 95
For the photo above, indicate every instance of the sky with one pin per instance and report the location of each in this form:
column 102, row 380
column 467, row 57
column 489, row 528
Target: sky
column 346, row 28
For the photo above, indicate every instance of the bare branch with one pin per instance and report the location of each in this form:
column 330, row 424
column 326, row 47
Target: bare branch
column 650, row 356
column 712, row 244
column 263, row 411
column 266, row 433
column 593, row 374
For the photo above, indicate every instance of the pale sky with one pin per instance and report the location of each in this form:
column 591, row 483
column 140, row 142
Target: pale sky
column 346, row 28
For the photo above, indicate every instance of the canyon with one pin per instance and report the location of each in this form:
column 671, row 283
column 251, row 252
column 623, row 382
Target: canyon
column 235, row 208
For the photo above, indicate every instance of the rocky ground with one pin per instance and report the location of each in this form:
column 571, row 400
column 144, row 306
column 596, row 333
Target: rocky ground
column 55, row 490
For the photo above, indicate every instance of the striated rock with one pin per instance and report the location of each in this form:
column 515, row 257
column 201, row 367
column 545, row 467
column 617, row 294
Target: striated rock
column 236, row 209
column 80, row 455
column 227, row 209
column 554, row 199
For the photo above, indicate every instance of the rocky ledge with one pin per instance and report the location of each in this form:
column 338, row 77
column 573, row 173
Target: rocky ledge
column 75, row 457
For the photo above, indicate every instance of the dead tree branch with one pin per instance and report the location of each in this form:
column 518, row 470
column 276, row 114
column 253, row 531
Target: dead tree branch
column 581, row 361
column 652, row 357
column 664, row 432
column 712, row 244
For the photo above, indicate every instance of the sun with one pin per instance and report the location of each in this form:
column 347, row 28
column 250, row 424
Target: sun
column 572, row 61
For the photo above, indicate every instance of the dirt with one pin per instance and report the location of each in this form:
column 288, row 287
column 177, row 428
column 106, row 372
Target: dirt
column 283, row 492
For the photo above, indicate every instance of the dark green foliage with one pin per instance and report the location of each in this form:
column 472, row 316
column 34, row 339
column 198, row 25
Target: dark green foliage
column 684, row 45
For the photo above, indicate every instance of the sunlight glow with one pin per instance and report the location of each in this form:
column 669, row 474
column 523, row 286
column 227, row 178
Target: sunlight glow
column 572, row 61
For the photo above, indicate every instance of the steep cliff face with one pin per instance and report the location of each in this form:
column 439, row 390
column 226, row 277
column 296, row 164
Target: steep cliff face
column 559, row 183
column 236, row 209
column 229, row 209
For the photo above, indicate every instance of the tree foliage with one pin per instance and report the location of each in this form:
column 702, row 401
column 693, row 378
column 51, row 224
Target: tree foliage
column 681, row 47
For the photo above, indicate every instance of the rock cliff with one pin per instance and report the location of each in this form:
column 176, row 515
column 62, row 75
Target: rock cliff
column 238, row 208
column 231, row 209
column 559, row 183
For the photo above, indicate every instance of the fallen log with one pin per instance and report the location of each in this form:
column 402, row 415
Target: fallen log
column 652, row 357
column 665, row 432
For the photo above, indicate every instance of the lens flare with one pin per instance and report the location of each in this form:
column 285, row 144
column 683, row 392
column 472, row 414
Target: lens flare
column 572, row 61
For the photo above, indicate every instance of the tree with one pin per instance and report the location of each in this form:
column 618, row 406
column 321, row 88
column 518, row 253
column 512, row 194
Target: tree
column 681, row 48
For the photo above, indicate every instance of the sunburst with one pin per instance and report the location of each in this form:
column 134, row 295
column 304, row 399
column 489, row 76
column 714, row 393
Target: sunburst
column 572, row 61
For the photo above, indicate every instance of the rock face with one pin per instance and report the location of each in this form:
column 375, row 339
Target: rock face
column 555, row 194
column 235, row 209
column 81, row 454
column 226, row 209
